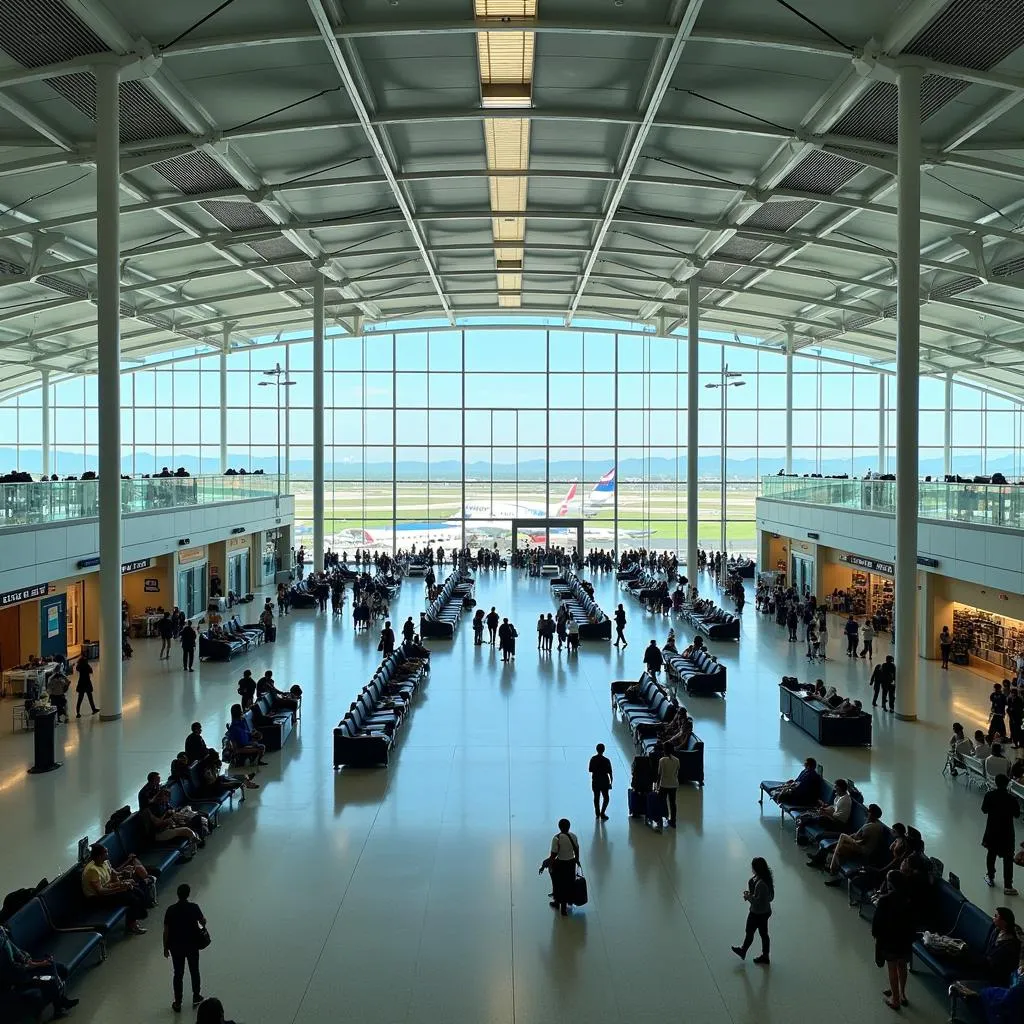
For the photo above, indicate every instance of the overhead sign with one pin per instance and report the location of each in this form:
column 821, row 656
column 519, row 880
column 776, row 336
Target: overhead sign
column 191, row 555
column 932, row 563
column 139, row 563
column 869, row 564
column 25, row 594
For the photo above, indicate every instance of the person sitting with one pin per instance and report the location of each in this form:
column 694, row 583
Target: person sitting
column 179, row 770
column 280, row 699
column 982, row 747
column 694, row 649
column 245, row 742
column 149, row 790
column 996, row 763
column 679, row 737
column 801, row 790
column 832, row 817
column 216, row 781
column 100, row 883
column 997, row 964
column 164, row 826
column 849, row 708
column 999, row 1004
column 863, row 845
column 195, row 745
column 21, row 972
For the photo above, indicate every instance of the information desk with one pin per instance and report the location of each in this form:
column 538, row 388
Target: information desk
column 815, row 718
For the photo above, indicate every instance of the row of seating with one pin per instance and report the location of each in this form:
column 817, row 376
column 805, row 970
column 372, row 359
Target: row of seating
column 302, row 594
column 365, row 736
column 443, row 613
column 592, row 621
column 233, row 639
column 701, row 673
column 60, row 921
column 714, row 622
column 274, row 721
column 944, row 910
column 645, row 711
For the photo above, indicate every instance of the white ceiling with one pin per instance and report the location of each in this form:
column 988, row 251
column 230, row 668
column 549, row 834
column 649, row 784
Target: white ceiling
column 730, row 138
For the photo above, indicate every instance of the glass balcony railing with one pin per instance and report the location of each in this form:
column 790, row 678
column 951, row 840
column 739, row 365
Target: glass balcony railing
column 57, row 500
column 982, row 504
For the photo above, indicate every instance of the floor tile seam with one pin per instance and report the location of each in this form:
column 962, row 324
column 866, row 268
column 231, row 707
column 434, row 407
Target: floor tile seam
column 411, row 1006
column 341, row 902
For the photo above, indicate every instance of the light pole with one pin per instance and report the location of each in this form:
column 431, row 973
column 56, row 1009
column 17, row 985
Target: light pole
column 729, row 380
column 278, row 382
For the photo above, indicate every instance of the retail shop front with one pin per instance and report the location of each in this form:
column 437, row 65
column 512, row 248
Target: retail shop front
column 795, row 560
column 61, row 616
column 857, row 585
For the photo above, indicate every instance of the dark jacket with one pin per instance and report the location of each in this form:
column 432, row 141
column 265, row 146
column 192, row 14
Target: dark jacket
column 1001, row 807
column 188, row 637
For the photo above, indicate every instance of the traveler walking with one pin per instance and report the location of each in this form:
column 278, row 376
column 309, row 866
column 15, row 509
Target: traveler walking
column 868, row 636
column 759, row 894
column 1000, row 807
column 387, row 640
column 620, row 625
column 165, row 630
column 945, row 645
column 652, row 658
column 492, row 619
column 883, row 681
column 185, row 935
column 188, row 646
column 851, row 629
column 562, row 863
column 600, row 769
column 84, row 685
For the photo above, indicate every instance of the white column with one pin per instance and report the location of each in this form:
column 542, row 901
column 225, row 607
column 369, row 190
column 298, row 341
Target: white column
column 44, row 387
column 947, row 426
column 224, row 400
column 789, row 399
column 287, row 422
column 723, row 505
column 317, row 558
column 882, row 439
column 908, row 343
column 108, row 372
column 692, row 403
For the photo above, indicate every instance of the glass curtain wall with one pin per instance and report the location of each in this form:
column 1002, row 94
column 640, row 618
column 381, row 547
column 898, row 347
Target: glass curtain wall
column 428, row 429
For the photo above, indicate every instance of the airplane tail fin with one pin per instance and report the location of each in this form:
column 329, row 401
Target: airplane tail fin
column 603, row 492
column 563, row 509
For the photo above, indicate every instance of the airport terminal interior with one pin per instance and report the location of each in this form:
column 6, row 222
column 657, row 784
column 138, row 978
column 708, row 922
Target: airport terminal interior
column 330, row 327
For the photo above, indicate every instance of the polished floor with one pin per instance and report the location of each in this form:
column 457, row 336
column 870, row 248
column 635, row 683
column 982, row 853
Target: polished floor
column 412, row 894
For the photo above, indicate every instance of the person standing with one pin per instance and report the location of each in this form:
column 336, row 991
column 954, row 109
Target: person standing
column 492, row 619
column 267, row 619
column 883, row 681
column 84, row 685
column 945, row 645
column 653, row 659
column 387, row 640
column 620, row 625
column 894, row 933
column 1000, row 808
column 408, row 630
column 600, row 769
column 868, row 636
column 851, row 629
column 668, row 783
column 188, row 646
column 478, row 628
column 165, row 630
column 184, row 935
column 562, row 863
column 759, row 894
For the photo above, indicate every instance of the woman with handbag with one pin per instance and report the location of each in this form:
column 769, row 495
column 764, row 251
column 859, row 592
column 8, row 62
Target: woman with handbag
column 562, row 864
column 185, row 935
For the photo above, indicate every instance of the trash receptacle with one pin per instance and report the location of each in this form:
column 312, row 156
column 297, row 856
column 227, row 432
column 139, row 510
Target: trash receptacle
column 45, row 727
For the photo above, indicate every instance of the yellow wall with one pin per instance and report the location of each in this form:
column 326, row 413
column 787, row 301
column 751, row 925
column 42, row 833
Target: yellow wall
column 133, row 586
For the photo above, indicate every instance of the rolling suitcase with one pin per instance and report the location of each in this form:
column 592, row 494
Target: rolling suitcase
column 655, row 806
column 579, row 891
column 271, row 636
column 637, row 803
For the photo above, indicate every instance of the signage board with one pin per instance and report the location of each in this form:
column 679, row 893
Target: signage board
column 187, row 555
column 24, row 594
column 869, row 564
column 139, row 563
column 151, row 586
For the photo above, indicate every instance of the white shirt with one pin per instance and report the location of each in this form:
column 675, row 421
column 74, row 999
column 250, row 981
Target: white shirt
column 996, row 766
column 668, row 772
column 564, row 846
column 841, row 807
